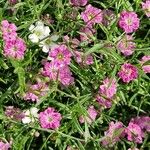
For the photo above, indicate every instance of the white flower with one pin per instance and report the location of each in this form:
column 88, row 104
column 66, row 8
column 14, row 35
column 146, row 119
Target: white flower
column 39, row 32
column 48, row 43
column 30, row 115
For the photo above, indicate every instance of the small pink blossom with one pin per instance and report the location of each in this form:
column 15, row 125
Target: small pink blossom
column 61, row 55
column 36, row 91
column 126, row 45
column 145, row 66
column 114, row 133
column 4, row 146
column 146, row 7
column 128, row 72
column 134, row 133
column 87, row 34
column 15, row 48
column 50, row 118
column 108, row 88
column 92, row 113
column 78, row 2
column 84, row 60
column 91, row 15
column 129, row 21
column 133, row 148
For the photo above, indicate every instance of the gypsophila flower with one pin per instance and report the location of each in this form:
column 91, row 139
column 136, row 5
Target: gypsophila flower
column 128, row 72
column 50, row 118
column 146, row 7
column 31, row 115
column 134, row 133
column 129, row 21
column 126, row 45
column 4, row 146
column 61, row 55
column 39, row 32
column 48, row 43
column 91, row 15
column 114, row 133
column 78, row 2
column 145, row 65
column 92, row 113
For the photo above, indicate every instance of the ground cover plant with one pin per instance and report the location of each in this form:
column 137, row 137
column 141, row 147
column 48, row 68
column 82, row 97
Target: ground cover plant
column 74, row 74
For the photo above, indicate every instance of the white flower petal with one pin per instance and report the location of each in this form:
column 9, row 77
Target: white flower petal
column 45, row 48
column 26, row 120
column 34, row 38
column 54, row 37
column 31, row 27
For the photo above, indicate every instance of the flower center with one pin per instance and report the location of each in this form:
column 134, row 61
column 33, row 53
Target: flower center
column 60, row 56
column 129, row 21
column 47, row 41
column 38, row 33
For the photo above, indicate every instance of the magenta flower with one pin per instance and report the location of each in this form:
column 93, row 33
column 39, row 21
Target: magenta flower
column 61, row 55
column 92, row 113
column 4, row 146
column 36, row 91
column 87, row 34
column 129, row 21
column 108, row 88
column 114, row 133
column 143, row 122
column 146, row 7
column 15, row 48
column 128, row 72
column 145, row 66
column 50, row 118
column 134, row 133
column 78, row 2
column 83, row 60
column 91, row 15
column 126, row 45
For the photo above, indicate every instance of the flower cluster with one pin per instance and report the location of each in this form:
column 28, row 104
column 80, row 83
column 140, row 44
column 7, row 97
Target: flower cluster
column 146, row 7
column 106, row 92
column 14, row 46
column 145, row 64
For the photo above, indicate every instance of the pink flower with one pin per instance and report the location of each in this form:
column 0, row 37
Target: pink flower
column 56, row 72
column 36, row 91
column 129, row 21
column 86, row 34
column 128, row 72
column 15, row 48
column 134, row 133
column 143, row 122
column 61, row 55
column 78, row 2
column 133, row 148
column 12, row 2
column 126, row 45
column 146, row 7
column 92, row 113
column 50, row 118
column 4, row 146
column 108, row 88
column 145, row 67
column 91, row 15
column 14, row 113
column 114, row 133
column 84, row 60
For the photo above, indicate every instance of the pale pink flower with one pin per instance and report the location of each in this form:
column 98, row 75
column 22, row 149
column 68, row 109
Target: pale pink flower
column 134, row 133
column 50, row 118
column 4, row 146
column 92, row 113
column 113, row 134
column 87, row 34
column 14, row 113
column 129, row 21
column 133, row 148
column 92, row 15
column 61, row 55
column 146, row 7
column 143, row 122
column 145, row 66
column 83, row 60
column 15, row 48
column 108, row 88
column 126, row 45
column 128, row 72
column 78, row 2
column 36, row 91
column 12, row 2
